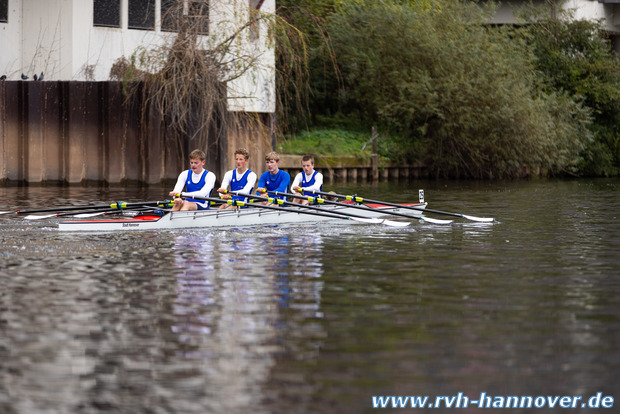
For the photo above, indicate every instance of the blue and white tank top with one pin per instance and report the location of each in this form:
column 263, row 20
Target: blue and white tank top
column 239, row 184
column 190, row 187
column 309, row 183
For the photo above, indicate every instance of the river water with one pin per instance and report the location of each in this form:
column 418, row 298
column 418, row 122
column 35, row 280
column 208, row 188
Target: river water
column 315, row 318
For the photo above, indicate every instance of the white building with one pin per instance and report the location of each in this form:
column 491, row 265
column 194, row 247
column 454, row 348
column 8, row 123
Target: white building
column 80, row 40
column 607, row 11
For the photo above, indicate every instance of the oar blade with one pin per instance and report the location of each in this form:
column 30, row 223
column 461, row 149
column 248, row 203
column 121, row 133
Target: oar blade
column 37, row 217
column 364, row 220
column 395, row 223
column 7, row 212
column 436, row 221
column 479, row 219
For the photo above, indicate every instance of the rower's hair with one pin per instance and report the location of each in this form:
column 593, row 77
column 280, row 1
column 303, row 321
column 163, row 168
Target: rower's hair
column 197, row 155
column 244, row 152
column 307, row 158
column 272, row 156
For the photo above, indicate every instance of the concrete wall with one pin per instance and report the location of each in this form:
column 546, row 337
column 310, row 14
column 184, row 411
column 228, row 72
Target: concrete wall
column 252, row 133
column 349, row 169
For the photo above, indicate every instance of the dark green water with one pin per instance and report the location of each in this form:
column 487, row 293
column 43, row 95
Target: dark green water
column 315, row 318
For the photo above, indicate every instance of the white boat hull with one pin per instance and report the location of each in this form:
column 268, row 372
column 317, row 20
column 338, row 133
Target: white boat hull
column 244, row 217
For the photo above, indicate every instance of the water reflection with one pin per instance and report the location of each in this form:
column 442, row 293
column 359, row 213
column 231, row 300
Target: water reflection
column 313, row 318
column 234, row 292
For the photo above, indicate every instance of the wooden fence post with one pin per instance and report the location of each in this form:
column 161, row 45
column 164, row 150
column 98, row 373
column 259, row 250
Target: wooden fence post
column 375, row 160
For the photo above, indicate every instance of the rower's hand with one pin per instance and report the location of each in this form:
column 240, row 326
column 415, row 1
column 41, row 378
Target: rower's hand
column 261, row 190
column 222, row 190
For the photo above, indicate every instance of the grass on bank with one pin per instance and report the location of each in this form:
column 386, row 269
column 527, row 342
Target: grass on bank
column 339, row 142
column 334, row 142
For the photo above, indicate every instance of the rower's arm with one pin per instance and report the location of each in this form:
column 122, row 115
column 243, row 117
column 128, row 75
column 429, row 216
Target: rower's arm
column 178, row 187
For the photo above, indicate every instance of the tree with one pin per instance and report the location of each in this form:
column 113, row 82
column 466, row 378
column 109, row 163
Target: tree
column 184, row 79
column 464, row 96
column 316, row 96
column 576, row 57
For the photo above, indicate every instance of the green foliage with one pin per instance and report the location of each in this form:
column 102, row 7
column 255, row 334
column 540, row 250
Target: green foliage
column 336, row 142
column 308, row 16
column 463, row 95
column 465, row 98
column 577, row 58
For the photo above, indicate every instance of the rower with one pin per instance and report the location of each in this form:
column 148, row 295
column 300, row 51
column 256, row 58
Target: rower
column 273, row 179
column 194, row 182
column 308, row 180
column 240, row 179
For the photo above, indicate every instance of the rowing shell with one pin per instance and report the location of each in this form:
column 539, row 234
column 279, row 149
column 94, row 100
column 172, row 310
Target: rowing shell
column 223, row 218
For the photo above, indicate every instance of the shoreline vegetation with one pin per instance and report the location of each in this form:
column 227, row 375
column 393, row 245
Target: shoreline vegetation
column 447, row 90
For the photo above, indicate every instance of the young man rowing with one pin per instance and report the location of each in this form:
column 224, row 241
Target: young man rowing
column 240, row 179
column 273, row 179
column 308, row 180
column 196, row 182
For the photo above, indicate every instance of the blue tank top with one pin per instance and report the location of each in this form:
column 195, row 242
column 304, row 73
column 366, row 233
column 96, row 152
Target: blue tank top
column 275, row 182
column 191, row 187
column 305, row 183
column 238, row 184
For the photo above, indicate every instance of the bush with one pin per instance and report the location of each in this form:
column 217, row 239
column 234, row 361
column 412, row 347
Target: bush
column 465, row 96
column 576, row 57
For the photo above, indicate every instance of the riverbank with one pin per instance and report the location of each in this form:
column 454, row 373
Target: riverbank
column 344, row 169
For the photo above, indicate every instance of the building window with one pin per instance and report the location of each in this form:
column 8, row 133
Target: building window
column 141, row 14
column 198, row 14
column 255, row 6
column 107, row 13
column 171, row 12
column 4, row 11
column 194, row 12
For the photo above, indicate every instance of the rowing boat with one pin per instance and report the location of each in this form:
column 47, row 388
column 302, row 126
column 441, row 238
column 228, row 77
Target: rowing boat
column 169, row 220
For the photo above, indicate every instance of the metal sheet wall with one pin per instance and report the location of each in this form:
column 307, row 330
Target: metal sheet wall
column 80, row 133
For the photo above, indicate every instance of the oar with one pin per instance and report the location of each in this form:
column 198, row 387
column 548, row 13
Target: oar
column 320, row 200
column 331, row 214
column 71, row 213
column 426, row 210
column 101, row 213
column 115, row 205
column 83, row 214
column 318, row 209
column 135, row 210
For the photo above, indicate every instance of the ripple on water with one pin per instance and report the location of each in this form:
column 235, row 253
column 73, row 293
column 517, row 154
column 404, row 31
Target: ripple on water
column 313, row 318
